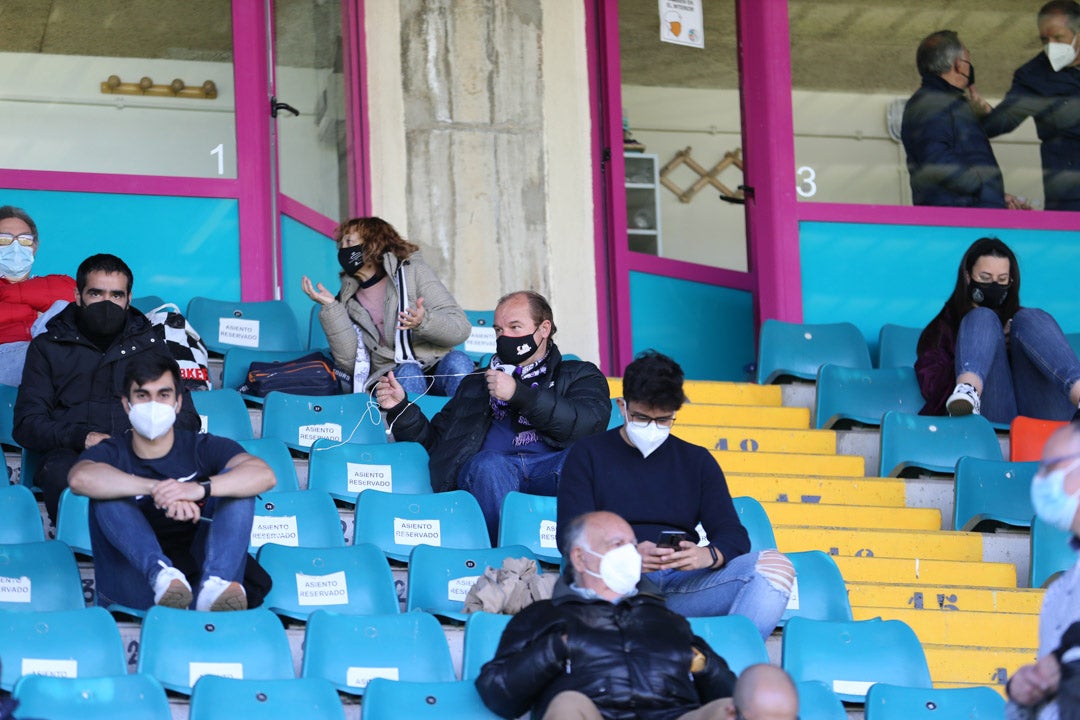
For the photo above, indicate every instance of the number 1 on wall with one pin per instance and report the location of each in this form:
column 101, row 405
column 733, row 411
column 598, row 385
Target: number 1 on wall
column 220, row 152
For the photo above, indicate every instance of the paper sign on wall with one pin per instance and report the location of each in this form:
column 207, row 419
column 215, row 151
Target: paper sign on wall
column 547, row 534
column 222, row 669
column 361, row 676
column 308, row 434
column 322, row 589
column 204, row 423
column 16, row 589
column 681, row 23
column 480, row 340
column 793, row 600
column 50, row 667
column 236, row 331
column 281, row 530
column 417, row 532
column 458, row 588
column 363, row 477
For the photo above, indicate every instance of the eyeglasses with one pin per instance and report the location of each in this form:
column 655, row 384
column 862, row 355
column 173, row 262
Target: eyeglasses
column 1048, row 463
column 26, row 240
column 642, row 421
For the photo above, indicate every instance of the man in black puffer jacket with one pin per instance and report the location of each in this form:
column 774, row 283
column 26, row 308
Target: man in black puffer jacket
column 510, row 427
column 69, row 398
column 605, row 643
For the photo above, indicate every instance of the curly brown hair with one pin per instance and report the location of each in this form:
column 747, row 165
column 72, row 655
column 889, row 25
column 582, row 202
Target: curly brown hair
column 378, row 237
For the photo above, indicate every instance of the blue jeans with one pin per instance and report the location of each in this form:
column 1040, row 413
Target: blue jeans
column 448, row 374
column 1030, row 375
column 491, row 475
column 13, row 354
column 127, row 537
column 735, row 589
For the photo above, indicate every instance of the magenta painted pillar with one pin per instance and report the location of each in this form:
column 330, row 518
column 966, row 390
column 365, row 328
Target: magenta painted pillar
column 251, row 73
column 768, row 142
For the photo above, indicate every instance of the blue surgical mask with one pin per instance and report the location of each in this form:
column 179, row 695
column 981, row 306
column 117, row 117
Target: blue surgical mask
column 16, row 260
column 1052, row 504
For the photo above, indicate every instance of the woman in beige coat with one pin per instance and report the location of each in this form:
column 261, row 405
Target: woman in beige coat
column 391, row 314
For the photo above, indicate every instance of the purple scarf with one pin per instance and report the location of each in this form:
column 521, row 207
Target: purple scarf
column 531, row 374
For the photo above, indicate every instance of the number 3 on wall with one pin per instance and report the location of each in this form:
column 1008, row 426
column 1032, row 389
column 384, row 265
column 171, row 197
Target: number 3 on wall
column 806, row 187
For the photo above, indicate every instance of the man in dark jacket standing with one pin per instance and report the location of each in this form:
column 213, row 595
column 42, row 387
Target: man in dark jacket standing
column 605, row 645
column 1047, row 87
column 69, row 399
column 508, row 428
column 948, row 154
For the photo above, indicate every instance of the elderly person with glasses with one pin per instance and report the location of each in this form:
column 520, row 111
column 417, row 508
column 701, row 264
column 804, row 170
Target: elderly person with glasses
column 26, row 303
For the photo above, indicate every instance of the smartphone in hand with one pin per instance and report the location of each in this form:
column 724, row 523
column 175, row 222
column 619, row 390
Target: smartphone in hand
column 670, row 539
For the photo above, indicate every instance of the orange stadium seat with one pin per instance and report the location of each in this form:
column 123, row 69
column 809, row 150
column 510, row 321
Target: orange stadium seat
column 1027, row 437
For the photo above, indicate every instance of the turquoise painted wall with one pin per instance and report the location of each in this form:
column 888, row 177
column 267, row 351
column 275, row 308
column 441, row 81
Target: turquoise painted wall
column 875, row 274
column 177, row 247
column 306, row 252
column 709, row 330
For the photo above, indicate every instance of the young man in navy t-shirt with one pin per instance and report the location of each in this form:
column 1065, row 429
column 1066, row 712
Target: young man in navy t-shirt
column 164, row 500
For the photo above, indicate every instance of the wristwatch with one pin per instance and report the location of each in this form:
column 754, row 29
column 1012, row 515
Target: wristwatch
column 204, row 483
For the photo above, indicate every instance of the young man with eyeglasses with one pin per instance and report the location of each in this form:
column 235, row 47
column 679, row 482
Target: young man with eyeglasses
column 662, row 484
column 26, row 303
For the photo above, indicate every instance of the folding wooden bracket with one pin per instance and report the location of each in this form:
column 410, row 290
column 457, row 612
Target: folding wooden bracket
column 707, row 177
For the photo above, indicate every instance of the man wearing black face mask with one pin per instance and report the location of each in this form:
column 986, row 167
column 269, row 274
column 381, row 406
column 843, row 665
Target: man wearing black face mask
column 69, row 397
column 509, row 428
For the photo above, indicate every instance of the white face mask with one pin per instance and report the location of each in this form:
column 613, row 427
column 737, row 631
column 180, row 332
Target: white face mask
column 620, row 569
column 16, row 260
column 1060, row 55
column 1051, row 503
column 152, row 419
column 645, row 439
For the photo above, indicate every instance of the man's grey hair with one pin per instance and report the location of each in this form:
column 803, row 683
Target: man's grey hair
column 938, row 52
column 575, row 537
column 1068, row 8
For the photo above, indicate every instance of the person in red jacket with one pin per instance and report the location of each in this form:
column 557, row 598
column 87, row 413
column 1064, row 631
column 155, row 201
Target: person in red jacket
column 26, row 303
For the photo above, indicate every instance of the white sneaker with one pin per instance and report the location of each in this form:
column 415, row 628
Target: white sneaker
column 171, row 588
column 963, row 401
column 218, row 594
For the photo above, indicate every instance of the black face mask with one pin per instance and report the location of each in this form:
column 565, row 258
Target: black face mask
column 101, row 319
column 351, row 258
column 514, row 350
column 989, row 295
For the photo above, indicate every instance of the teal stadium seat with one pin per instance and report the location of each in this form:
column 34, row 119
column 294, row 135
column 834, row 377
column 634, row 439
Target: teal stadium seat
column 146, row 303
column 797, row 350
column 398, row 522
column 817, row 701
column 857, row 396
column 316, row 338
column 28, row 466
column 62, row 643
column 897, row 346
column 896, row 702
column 355, row 579
column 300, row 420
column 429, row 404
column 302, row 518
column 1074, row 341
column 224, row 413
column 992, row 491
column 440, row 577
column 179, row 646
column 218, row 698
column 351, row 650
column 131, row 697
column 753, row 517
column 237, row 363
column 481, row 341
column 819, row 592
column 530, row 520
column 734, row 638
column 8, row 394
column 39, row 577
column 482, row 634
column 347, row 470
column 274, row 453
column 913, row 442
column 851, row 656
column 457, row 700
column 21, row 517
column 1051, row 553
column 225, row 324
column 73, row 522
column 616, row 419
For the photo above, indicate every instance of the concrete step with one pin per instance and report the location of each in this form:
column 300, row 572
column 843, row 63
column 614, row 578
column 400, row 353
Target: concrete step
column 844, row 490
column 932, row 573
column 1014, row 631
column 931, row 545
column 707, row 392
column 744, row 416
column 865, row 517
column 955, row 666
column 945, row 597
column 756, row 439
column 784, row 463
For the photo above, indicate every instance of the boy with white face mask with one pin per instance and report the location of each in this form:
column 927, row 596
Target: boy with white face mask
column 663, row 484
column 1047, row 88
column 171, row 510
